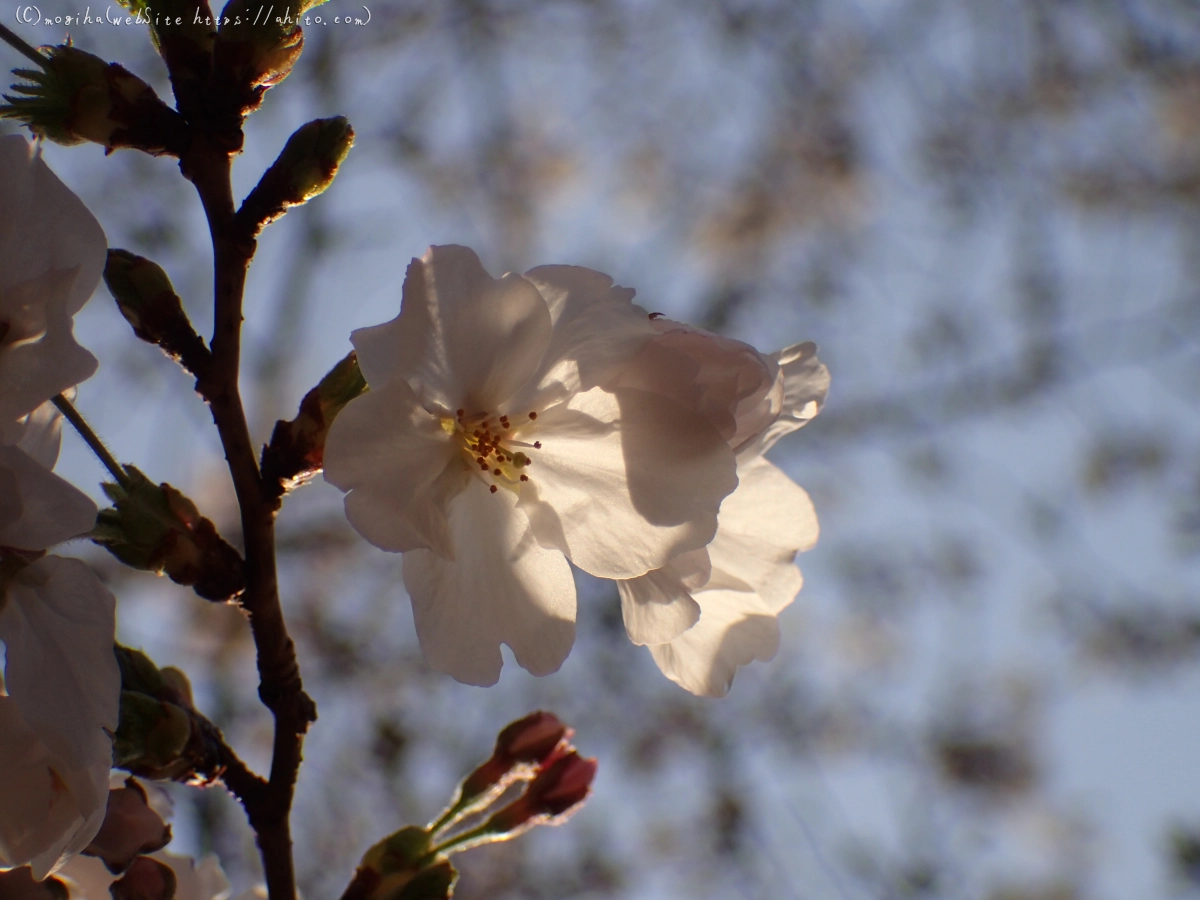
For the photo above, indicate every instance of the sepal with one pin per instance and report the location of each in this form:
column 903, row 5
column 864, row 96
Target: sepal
column 297, row 448
column 156, row 528
column 78, row 97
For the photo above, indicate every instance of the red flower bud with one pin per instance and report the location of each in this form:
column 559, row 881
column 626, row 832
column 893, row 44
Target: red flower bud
column 531, row 740
column 552, row 797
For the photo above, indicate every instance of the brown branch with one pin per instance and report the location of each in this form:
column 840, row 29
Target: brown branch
column 207, row 166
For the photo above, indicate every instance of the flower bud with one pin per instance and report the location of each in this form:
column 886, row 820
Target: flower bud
column 401, row 867
column 304, row 169
column 146, row 879
column 152, row 738
column 529, row 740
column 156, row 528
column 551, row 798
column 297, row 448
column 78, row 97
column 253, row 53
column 130, row 829
column 148, row 301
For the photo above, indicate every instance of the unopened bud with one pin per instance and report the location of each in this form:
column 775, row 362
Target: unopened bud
column 551, row 798
column 130, row 828
column 146, row 879
column 530, row 741
column 139, row 673
column 78, row 97
column 304, row 169
column 297, row 448
column 148, row 301
column 152, row 737
column 254, row 52
column 156, row 528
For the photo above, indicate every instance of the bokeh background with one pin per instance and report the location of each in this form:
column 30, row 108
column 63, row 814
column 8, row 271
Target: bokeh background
column 986, row 214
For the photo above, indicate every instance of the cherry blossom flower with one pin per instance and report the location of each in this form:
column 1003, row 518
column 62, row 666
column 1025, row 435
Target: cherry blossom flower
column 52, row 253
column 491, row 449
column 711, row 611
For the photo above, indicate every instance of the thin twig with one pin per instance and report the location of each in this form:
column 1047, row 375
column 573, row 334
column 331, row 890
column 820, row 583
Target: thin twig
column 207, row 165
column 20, row 44
column 71, row 414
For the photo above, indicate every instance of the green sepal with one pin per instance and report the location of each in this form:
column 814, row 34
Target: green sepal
column 156, row 528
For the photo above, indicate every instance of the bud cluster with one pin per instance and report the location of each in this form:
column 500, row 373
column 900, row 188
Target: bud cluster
column 534, row 752
column 158, row 736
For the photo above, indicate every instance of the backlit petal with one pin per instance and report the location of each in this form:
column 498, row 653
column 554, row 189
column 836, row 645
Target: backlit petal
column 735, row 629
column 805, row 385
column 503, row 587
column 462, row 337
column 399, row 467
column 597, row 329
column 625, row 481
column 763, row 524
column 37, row 508
column 45, row 227
column 58, row 629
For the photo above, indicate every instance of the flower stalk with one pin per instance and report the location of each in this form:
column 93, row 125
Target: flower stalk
column 71, row 414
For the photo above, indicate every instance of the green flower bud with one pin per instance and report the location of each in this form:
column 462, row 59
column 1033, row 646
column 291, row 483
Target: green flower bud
column 305, row 168
column 78, row 97
column 152, row 737
column 148, row 301
column 156, row 528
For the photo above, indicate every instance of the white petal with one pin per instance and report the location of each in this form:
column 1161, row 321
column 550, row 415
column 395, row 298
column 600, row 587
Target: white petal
column 728, row 382
column 45, row 226
column 657, row 608
column 626, row 480
column 503, row 587
column 45, row 360
column 41, row 434
column 86, row 877
column 597, row 329
column 48, row 509
column 735, row 628
column 48, row 810
column 805, row 385
column 762, row 525
column 399, row 467
column 57, row 626
column 462, row 337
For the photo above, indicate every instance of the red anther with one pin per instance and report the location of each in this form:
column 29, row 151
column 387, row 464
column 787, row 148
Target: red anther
column 461, row 413
column 478, row 433
column 537, row 445
column 495, row 471
column 533, row 415
column 524, row 477
column 479, row 460
column 492, row 489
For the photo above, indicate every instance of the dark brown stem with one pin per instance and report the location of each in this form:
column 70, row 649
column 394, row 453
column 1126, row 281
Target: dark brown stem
column 207, row 166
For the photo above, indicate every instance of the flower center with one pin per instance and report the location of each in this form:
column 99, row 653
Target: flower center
column 491, row 444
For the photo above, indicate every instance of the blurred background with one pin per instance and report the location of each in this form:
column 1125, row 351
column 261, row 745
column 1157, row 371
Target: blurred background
column 987, row 216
